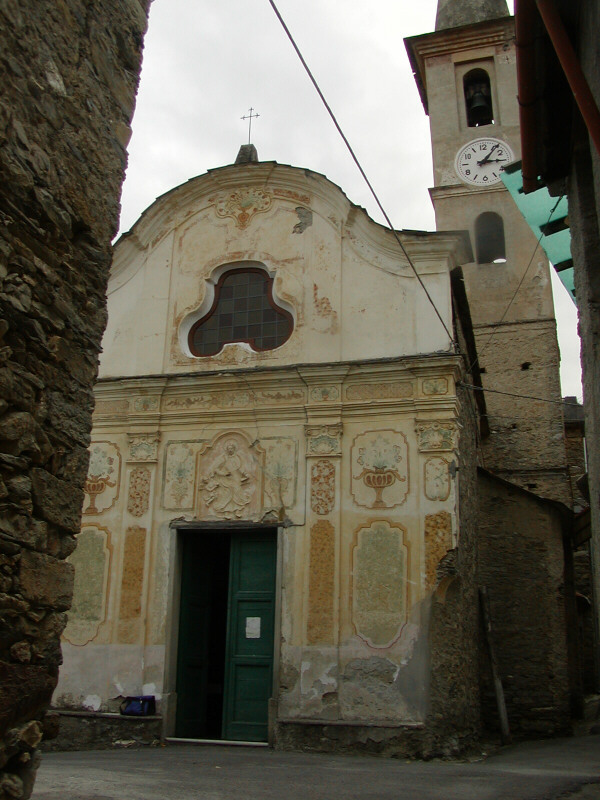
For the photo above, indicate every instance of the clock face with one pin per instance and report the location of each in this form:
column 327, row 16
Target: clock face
column 481, row 161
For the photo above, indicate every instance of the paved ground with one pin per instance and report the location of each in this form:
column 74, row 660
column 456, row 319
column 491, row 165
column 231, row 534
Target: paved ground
column 531, row 771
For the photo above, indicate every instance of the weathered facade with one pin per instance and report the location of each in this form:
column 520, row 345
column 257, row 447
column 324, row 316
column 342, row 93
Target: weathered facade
column 69, row 75
column 331, row 464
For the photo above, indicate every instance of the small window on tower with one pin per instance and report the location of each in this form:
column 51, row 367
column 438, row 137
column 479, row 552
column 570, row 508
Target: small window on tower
column 478, row 98
column 489, row 238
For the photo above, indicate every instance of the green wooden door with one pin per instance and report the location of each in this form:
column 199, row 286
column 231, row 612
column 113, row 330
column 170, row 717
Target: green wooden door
column 250, row 633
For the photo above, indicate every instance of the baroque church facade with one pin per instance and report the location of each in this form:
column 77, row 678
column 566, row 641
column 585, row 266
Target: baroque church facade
column 275, row 460
column 281, row 535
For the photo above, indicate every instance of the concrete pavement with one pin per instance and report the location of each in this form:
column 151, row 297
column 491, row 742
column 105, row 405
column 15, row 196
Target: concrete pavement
column 529, row 771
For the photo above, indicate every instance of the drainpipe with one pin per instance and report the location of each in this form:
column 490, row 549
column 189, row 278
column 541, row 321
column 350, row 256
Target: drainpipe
column 572, row 69
column 524, row 28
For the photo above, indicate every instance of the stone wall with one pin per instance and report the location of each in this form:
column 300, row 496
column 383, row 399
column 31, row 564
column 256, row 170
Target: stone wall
column 527, row 441
column 521, row 558
column 85, row 730
column 584, row 219
column 69, row 76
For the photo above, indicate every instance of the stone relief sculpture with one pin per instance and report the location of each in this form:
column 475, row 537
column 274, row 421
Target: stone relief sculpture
column 436, row 435
column 231, row 478
column 102, row 482
column 242, row 205
column 437, row 479
column 322, row 486
column 379, row 464
column 379, row 589
column 323, row 440
column 226, row 487
column 235, row 399
column 143, row 447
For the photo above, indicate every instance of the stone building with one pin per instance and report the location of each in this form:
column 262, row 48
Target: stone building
column 559, row 79
column 69, row 76
column 282, row 458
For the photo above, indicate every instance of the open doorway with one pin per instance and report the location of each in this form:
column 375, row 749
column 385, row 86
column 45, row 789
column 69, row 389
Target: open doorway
column 226, row 634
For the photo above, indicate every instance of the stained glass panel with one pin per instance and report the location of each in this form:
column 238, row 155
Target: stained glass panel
column 243, row 311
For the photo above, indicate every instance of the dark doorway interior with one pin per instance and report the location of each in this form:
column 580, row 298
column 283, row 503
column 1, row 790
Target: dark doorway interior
column 202, row 634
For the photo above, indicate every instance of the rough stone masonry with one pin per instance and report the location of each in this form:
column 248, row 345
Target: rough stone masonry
column 69, row 72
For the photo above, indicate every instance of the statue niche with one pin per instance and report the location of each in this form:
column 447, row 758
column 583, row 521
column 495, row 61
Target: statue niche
column 230, row 478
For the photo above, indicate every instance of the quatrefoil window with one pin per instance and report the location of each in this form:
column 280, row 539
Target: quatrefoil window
column 243, row 311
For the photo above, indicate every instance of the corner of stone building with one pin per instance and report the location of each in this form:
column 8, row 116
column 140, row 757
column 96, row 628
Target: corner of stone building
column 454, row 715
column 68, row 69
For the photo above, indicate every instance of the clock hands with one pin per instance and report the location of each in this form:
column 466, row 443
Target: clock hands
column 488, row 156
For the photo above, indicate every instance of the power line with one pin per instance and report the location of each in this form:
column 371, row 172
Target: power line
column 394, row 232
column 514, row 394
column 357, row 162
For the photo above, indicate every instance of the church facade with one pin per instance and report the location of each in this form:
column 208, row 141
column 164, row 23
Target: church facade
column 277, row 456
column 287, row 521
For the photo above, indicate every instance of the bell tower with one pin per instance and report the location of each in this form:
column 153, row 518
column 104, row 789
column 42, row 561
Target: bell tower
column 466, row 76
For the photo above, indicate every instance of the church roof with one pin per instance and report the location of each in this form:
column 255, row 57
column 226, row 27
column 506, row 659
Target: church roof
column 454, row 13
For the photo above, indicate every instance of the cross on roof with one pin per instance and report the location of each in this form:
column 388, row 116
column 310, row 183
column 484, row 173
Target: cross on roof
column 249, row 117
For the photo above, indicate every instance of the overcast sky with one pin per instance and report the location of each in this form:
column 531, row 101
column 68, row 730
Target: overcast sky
column 206, row 62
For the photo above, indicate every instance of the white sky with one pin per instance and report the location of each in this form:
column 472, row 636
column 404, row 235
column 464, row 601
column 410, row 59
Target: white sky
column 207, row 62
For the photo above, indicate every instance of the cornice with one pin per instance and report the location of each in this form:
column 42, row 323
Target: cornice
column 462, row 190
column 291, row 395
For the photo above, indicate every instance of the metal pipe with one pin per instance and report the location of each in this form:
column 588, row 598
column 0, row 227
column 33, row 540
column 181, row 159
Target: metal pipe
column 526, row 92
column 572, row 69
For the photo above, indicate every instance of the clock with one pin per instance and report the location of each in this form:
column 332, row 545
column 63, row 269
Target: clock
column 481, row 161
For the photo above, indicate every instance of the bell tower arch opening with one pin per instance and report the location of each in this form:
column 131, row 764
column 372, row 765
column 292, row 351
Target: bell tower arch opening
column 478, row 98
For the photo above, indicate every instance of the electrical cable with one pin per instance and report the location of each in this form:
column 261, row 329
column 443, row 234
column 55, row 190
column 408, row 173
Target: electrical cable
column 514, row 394
column 395, row 233
column 357, row 162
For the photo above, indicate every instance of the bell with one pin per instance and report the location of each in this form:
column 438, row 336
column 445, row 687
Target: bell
column 480, row 111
